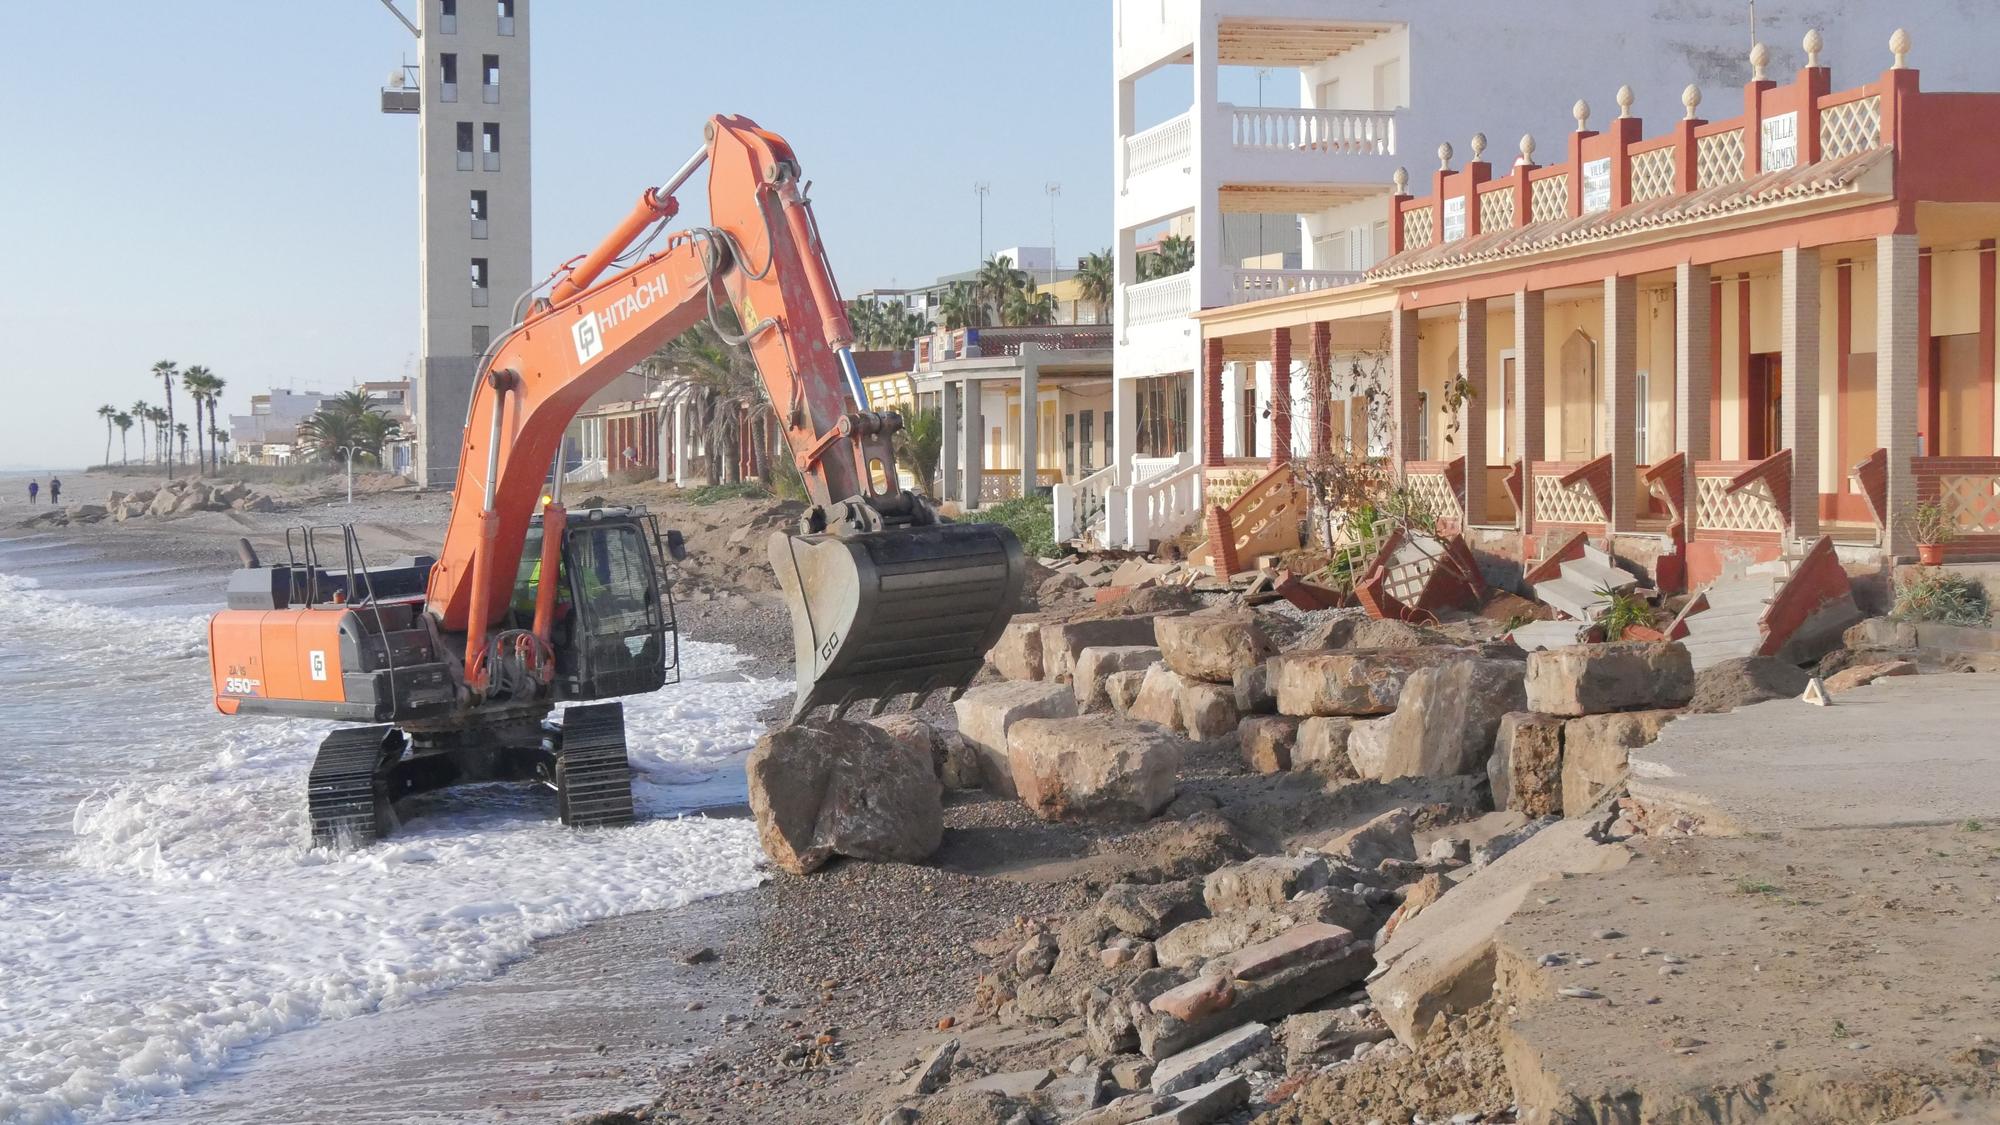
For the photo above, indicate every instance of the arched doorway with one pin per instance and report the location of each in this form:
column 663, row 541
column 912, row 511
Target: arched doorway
column 1578, row 413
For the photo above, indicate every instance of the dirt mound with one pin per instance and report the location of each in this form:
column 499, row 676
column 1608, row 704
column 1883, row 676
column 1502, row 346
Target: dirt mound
column 1457, row 1069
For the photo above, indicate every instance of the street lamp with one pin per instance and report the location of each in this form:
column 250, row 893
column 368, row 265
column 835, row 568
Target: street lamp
column 350, row 450
column 980, row 188
column 1054, row 189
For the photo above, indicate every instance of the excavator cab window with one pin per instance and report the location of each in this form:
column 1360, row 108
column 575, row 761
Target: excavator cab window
column 619, row 626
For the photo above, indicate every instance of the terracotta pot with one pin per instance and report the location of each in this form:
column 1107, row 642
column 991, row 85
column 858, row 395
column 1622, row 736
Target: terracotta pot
column 1930, row 554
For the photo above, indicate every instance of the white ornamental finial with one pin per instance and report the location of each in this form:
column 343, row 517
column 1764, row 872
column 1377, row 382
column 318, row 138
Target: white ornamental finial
column 1691, row 98
column 1444, row 156
column 1760, row 56
column 1402, row 181
column 1527, row 148
column 1813, row 44
column 1899, row 46
column 1581, row 111
column 1624, row 101
column 1478, row 146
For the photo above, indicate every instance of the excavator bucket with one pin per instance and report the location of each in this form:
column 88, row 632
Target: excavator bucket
column 878, row 614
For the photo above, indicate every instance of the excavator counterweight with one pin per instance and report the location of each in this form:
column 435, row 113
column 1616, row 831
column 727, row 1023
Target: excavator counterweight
column 462, row 661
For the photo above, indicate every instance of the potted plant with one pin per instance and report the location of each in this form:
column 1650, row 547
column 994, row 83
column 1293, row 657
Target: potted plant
column 1933, row 526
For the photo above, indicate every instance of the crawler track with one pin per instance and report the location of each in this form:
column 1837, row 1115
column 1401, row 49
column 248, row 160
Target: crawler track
column 344, row 794
column 593, row 779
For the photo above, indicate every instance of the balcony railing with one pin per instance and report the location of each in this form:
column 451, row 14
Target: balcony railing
column 968, row 343
column 1345, row 132
column 1162, row 299
column 1163, row 144
column 1256, row 285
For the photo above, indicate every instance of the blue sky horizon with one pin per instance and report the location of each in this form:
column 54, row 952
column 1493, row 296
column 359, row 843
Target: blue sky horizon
column 213, row 182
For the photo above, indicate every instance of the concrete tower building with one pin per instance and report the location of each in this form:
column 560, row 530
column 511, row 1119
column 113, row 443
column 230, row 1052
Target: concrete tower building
column 470, row 95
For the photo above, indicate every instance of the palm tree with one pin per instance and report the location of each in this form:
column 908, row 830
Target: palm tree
column 1175, row 256
column 718, row 379
column 215, row 386
column 142, row 412
column 109, row 413
column 181, row 432
column 218, row 438
column 124, row 423
column 1096, row 278
column 918, row 444
column 1028, row 305
column 998, row 279
column 162, row 444
column 196, row 379
column 960, row 307
column 166, row 369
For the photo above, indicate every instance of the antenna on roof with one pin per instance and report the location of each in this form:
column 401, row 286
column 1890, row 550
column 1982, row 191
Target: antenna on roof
column 1753, row 23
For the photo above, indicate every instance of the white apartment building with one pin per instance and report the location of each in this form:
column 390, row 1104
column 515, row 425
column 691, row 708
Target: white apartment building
column 1373, row 85
column 473, row 190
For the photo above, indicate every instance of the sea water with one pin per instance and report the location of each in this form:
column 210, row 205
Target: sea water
column 161, row 910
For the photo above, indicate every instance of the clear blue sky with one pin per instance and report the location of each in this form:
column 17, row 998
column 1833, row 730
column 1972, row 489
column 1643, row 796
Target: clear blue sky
column 210, row 181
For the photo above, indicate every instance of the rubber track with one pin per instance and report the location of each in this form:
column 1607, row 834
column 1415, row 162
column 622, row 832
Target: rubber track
column 593, row 779
column 340, row 791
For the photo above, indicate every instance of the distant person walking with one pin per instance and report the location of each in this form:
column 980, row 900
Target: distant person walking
column 55, row 490
column 34, row 490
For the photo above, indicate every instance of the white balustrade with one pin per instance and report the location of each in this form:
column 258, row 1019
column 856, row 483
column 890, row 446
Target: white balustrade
column 1256, row 285
column 1169, row 142
column 1161, row 299
column 1080, row 507
column 1345, row 132
column 1164, row 503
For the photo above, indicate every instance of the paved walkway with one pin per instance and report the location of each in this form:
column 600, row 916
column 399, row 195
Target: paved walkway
column 1908, row 750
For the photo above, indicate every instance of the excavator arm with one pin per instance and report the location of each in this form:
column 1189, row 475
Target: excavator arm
column 885, row 597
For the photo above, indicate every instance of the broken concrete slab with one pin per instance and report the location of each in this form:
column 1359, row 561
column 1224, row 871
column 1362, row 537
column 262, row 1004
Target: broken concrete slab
column 1382, row 838
column 1097, row 664
column 1626, row 676
column 1096, row 766
column 1206, row 1060
column 1743, row 680
column 1267, row 880
column 1595, row 752
column 1861, row 675
column 1443, row 959
column 1014, row 1083
column 934, row 1071
column 986, row 713
column 1175, row 1020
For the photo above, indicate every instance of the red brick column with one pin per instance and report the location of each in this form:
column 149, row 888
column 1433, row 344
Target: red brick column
column 1211, row 404
column 1281, row 396
column 1319, row 386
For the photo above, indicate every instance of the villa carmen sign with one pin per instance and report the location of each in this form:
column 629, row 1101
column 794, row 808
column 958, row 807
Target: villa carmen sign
column 1454, row 218
column 1781, row 142
column 1597, row 185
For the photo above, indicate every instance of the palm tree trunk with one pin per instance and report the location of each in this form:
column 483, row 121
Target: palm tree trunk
column 169, row 381
column 107, row 441
column 124, row 451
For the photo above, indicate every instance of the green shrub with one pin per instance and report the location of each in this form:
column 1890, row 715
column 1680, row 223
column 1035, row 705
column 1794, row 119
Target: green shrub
column 717, row 493
column 1621, row 611
column 1935, row 594
column 1031, row 518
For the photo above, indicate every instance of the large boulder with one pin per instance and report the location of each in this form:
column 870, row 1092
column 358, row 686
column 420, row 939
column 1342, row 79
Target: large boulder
column 1592, row 679
column 1446, row 720
column 1061, row 643
column 1596, row 751
column 1017, row 655
column 1525, row 771
column 1208, row 710
column 1159, row 698
column 1743, row 680
column 1253, row 689
column 1095, row 766
column 956, row 764
column 1321, row 746
column 1368, row 746
column 1096, row 665
column 1148, row 910
column 1350, row 683
column 1122, row 689
column 1212, row 646
column 1266, row 741
column 824, row 789
column 1266, row 881
column 986, row 713
column 1390, row 836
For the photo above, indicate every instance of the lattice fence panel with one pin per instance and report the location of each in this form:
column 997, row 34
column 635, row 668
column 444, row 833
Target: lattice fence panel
column 1557, row 504
column 1549, row 198
column 1718, row 159
column 1434, row 489
column 1652, row 174
column 1850, row 127
column 1750, row 508
column 1417, row 228
column 1496, row 209
column 1973, row 501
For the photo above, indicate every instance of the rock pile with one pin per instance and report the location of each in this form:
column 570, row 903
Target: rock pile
column 179, row 497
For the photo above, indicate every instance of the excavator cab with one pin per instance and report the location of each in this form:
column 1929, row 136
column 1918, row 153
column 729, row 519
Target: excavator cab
column 614, row 632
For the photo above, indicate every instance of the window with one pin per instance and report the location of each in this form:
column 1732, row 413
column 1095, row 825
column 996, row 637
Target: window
column 1378, row 241
column 1389, row 84
column 448, row 17
column 481, row 336
column 1246, row 419
column 489, row 78
column 476, row 205
column 1423, row 425
column 505, row 10
column 448, row 77
column 490, row 145
column 1069, row 447
column 479, row 280
column 1084, row 439
column 1641, row 397
column 1163, row 412
column 465, row 146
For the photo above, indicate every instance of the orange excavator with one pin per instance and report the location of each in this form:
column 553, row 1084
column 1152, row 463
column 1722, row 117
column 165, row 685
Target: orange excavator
column 458, row 662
